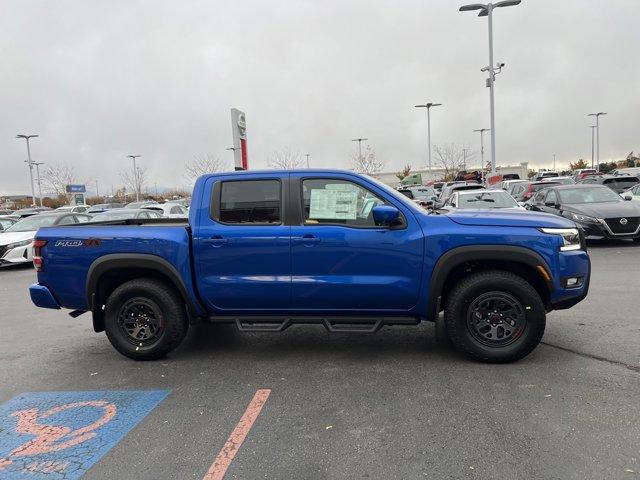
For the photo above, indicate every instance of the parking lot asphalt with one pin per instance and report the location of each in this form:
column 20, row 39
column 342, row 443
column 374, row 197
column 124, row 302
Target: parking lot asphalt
column 390, row 405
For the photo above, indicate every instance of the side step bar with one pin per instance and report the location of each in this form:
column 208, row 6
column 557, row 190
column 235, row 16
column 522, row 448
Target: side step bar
column 260, row 323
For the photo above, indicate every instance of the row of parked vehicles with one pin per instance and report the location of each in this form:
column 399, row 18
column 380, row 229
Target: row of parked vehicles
column 18, row 229
column 604, row 206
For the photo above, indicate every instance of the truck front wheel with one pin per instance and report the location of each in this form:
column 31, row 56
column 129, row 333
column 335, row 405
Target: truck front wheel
column 145, row 319
column 495, row 316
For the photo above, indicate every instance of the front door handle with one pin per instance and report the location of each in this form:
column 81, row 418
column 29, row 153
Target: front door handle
column 216, row 240
column 306, row 239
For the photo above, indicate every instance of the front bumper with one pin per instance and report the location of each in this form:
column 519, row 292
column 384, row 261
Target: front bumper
column 572, row 264
column 15, row 255
column 602, row 230
column 42, row 297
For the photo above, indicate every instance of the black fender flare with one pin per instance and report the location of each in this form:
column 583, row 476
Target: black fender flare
column 459, row 255
column 116, row 261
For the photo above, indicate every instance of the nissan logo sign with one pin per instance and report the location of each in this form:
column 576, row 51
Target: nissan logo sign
column 623, row 221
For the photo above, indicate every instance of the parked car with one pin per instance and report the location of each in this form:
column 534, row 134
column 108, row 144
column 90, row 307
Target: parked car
column 5, row 212
column 482, row 200
column 16, row 240
column 507, row 184
column 531, row 188
column 543, row 175
column 456, row 187
column 6, row 222
column 618, row 184
column 596, row 208
column 145, row 203
column 265, row 249
column 633, row 171
column 585, row 173
column 73, row 209
column 632, row 194
column 564, row 180
column 423, row 196
column 103, row 207
column 124, row 214
column 27, row 212
column 437, row 186
column 169, row 210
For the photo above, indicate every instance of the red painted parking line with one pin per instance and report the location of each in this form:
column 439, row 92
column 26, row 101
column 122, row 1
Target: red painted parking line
column 219, row 467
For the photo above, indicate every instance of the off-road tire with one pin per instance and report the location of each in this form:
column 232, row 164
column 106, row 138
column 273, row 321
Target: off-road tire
column 472, row 287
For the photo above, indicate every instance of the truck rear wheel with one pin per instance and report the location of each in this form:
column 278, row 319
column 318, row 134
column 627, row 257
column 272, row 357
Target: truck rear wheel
column 145, row 319
column 495, row 316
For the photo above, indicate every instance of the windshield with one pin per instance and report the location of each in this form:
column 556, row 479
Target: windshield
column 64, row 209
column 31, row 224
column 539, row 186
column 484, row 200
column 109, row 216
column 588, row 195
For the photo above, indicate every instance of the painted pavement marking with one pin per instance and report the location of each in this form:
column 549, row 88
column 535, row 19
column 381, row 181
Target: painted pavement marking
column 237, row 437
column 60, row 435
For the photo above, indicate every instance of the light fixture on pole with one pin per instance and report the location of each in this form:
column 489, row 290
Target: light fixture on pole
column 135, row 175
column 597, row 115
column 359, row 140
column 37, row 164
column 428, row 107
column 592, row 127
column 487, row 11
column 33, row 193
column 482, row 130
column 307, row 155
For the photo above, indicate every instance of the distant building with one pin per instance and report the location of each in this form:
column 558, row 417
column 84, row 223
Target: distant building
column 392, row 180
column 14, row 202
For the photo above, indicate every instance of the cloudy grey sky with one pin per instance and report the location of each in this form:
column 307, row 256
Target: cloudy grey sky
column 98, row 80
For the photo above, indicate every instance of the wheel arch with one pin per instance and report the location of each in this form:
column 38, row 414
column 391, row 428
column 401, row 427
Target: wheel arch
column 110, row 271
column 461, row 261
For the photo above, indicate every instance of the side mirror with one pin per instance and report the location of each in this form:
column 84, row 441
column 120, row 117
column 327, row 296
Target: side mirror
column 627, row 196
column 551, row 204
column 385, row 215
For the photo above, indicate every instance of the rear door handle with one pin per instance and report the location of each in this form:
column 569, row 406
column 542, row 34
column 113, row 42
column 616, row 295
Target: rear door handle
column 306, row 239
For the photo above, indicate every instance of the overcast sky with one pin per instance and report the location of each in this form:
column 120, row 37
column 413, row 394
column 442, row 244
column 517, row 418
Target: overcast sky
column 99, row 80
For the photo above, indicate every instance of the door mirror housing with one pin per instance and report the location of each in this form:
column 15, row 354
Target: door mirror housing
column 551, row 204
column 627, row 196
column 386, row 215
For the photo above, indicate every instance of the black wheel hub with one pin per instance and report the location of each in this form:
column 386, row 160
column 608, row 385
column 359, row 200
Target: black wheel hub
column 496, row 319
column 141, row 321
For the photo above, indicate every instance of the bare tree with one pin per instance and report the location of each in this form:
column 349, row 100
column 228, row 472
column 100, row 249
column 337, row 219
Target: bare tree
column 285, row 159
column 201, row 165
column 56, row 178
column 450, row 158
column 135, row 181
column 406, row 170
column 367, row 162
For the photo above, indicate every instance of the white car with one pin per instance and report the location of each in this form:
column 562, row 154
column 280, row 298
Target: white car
column 482, row 200
column 15, row 241
column 169, row 210
column 73, row 209
column 632, row 194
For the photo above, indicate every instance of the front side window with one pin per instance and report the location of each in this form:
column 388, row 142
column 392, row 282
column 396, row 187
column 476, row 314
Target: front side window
column 551, row 198
column 68, row 220
column 332, row 201
column 251, row 202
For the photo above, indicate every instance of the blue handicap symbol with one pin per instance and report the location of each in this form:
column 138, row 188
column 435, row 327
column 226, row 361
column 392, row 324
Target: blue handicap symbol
column 60, row 435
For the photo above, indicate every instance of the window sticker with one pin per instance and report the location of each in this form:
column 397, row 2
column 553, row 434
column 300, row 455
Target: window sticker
column 333, row 204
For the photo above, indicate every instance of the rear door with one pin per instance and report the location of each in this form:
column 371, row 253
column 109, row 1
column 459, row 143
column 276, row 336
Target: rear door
column 341, row 261
column 242, row 245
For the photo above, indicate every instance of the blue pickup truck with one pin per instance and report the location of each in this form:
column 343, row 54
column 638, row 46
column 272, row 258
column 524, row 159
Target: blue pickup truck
column 267, row 249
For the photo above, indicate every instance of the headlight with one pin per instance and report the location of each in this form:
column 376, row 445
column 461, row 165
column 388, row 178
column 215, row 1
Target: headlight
column 583, row 218
column 24, row 243
column 570, row 237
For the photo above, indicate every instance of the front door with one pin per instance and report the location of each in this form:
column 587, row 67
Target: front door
column 343, row 262
column 242, row 245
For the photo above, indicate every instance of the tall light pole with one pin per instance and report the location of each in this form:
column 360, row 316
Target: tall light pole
column 487, row 11
column 33, row 193
column 554, row 162
column 464, row 158
column 592, row 127
column 482, row 130
column 597, row 115
column 428, row 107
column 135, row 173
column 307, row 155
column 37, row 164
column 359, row 140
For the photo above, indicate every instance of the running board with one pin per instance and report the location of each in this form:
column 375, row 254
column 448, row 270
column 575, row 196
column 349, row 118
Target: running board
column 259, row 323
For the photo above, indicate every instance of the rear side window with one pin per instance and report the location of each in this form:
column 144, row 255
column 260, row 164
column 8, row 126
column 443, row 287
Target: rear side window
column 255, row 202
column 176, row 210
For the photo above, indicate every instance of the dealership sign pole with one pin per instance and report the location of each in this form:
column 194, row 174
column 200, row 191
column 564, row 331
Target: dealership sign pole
column 239, row 132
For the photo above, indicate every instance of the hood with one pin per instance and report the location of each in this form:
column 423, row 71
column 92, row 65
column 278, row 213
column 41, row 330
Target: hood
column 13, row 237
column 605, row 210
column 512, row 218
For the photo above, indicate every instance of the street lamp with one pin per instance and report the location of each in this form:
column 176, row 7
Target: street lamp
column 37, row 164
column 33, row 193
column 482, row 130
column 487, row 11
column 428, row 107
column 307, row 155
column 359, row 140
column 592, row 136
column 135, row 173
column 597, row 115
